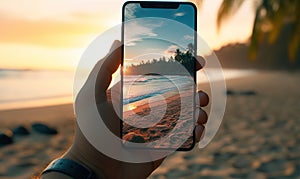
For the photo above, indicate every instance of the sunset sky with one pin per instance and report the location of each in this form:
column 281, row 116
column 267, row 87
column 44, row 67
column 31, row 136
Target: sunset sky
column 150, row 34
column 52, row 34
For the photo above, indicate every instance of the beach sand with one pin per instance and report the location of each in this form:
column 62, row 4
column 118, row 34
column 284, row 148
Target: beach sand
column 28, row 155
column 259, row 136
column 161, row 118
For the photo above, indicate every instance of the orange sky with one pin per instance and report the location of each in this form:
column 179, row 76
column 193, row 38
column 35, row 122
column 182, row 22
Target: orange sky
column 52, row 34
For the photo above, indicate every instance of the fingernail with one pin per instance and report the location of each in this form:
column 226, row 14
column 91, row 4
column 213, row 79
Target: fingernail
column 203, row 134
column 199, row 131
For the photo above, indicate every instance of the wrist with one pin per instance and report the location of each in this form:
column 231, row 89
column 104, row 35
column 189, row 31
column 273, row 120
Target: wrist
column 85, row 163
column 65, row 168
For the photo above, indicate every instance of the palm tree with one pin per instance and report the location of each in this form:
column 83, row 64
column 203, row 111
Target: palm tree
column 270, row 17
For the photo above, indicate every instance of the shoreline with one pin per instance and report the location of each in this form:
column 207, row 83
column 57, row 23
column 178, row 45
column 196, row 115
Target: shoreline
column 229, row 74
column 36, row 103
column 50, row 114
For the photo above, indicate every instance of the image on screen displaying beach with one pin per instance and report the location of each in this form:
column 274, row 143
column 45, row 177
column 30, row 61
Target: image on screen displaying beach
column 157, row 101
column 158, row 76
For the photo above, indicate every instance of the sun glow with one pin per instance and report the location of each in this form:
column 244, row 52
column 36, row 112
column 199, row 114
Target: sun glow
column 53, row 34
column 132, row 107
column 44, row 35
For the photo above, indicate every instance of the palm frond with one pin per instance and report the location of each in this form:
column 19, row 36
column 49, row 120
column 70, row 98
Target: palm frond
column 270, row 18
column 276, row 17
column 294, row 44
column 257, row 34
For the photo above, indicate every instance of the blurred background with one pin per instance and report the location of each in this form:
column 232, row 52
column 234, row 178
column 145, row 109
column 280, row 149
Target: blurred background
column 256, row 41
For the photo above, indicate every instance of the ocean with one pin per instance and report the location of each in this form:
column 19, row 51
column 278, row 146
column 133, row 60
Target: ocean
column 33, row 88
column 141, row 87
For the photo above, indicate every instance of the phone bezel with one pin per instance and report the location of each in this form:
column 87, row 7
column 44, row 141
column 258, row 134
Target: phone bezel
column 160, row 5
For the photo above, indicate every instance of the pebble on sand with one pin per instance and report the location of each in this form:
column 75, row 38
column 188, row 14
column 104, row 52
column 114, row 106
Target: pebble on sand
column 230, row 92
column 43, row 129
column 21, row 130
column 6, row 137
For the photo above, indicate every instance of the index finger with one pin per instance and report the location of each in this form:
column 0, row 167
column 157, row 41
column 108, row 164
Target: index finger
column 200, row 63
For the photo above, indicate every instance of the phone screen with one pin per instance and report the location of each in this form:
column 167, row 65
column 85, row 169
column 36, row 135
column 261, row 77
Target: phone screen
column 158, row 74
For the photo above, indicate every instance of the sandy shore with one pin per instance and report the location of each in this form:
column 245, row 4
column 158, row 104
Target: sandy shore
column 28, row 155
column 165, row 114
column 259, row 136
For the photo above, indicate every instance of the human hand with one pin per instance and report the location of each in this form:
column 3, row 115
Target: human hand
column 84, row 153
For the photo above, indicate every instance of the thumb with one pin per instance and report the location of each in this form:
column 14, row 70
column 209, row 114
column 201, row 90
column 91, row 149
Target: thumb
column 109, row 65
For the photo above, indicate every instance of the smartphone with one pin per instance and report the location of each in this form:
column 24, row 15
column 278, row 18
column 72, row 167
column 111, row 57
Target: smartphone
column 158, row 74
